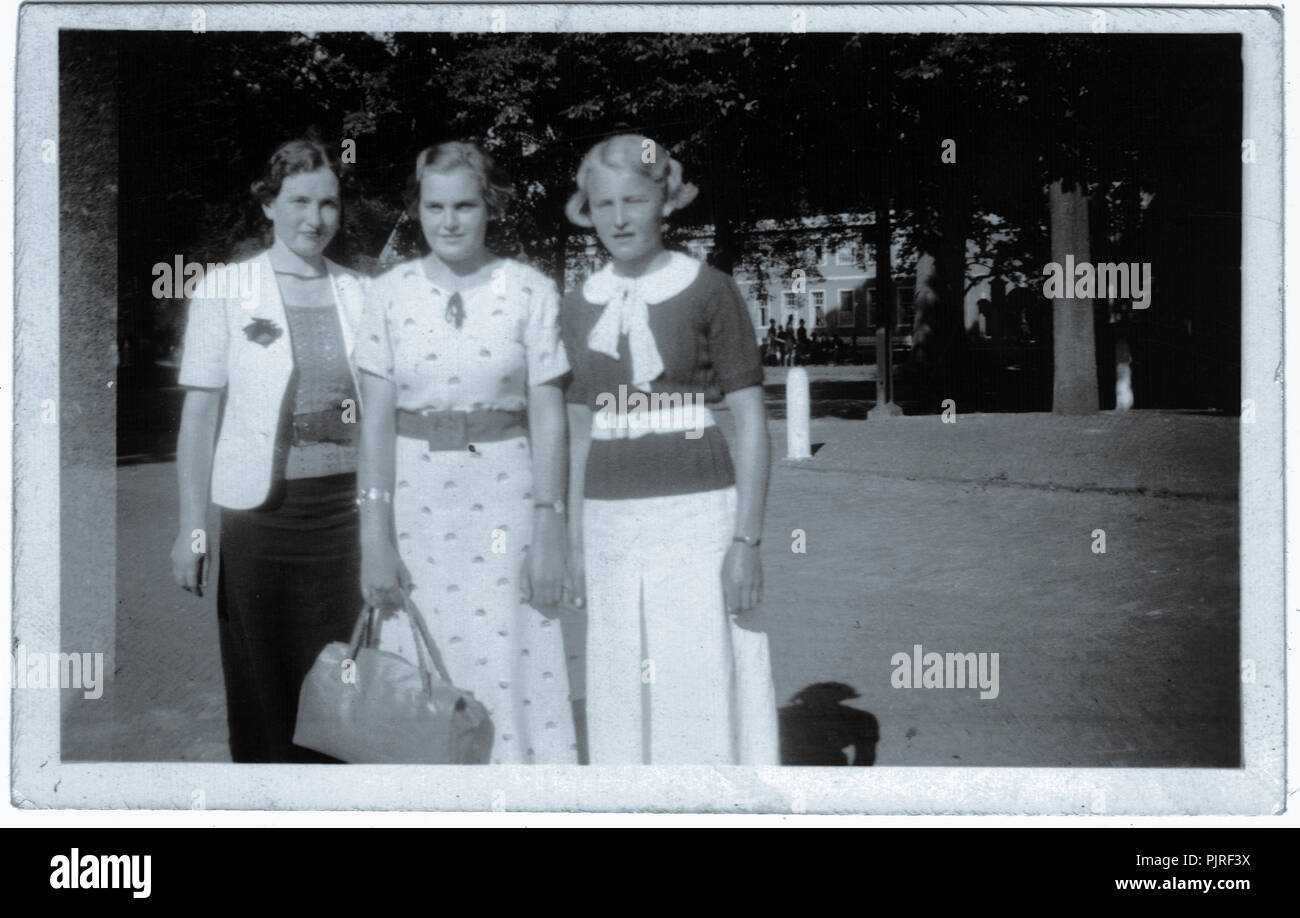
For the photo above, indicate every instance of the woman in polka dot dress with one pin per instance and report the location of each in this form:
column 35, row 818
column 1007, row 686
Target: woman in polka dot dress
column 461, row 493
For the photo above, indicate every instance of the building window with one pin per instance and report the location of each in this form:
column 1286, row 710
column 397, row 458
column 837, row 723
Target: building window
column 791, row 302
column 906, row 307
column 845, row 255
column 846, row 308
column 762, row 316
column 819, row 308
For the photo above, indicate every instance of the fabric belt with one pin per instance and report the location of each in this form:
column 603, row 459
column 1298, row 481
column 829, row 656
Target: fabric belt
column 326, row 426
column 456, row 430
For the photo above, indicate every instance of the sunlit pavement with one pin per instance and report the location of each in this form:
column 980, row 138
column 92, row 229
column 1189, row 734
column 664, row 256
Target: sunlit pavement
column 971, row 537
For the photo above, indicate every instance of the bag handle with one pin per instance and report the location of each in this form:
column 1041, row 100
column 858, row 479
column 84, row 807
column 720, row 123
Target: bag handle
column 362, row 631
column 426, row 650
column 421, row 631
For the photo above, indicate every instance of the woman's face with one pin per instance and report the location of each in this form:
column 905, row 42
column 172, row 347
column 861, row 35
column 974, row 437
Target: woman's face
column 307, row 211
column 453, row 214
column 628, row 211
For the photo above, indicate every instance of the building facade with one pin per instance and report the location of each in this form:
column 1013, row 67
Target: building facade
column 816, row 272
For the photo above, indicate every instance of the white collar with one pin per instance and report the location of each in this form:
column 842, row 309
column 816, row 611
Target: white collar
column 412, row 268
column 672, row 277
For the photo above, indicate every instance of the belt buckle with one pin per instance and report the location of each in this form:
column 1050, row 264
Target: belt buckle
column 448, row 430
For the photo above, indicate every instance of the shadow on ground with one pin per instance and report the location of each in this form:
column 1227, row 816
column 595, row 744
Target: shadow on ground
column 817, row 729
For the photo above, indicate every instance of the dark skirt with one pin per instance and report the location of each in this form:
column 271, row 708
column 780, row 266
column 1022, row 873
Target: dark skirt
column 289, row 583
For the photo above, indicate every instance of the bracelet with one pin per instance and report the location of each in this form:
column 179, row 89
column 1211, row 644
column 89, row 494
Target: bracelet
column 374, row 494
column 751, row 541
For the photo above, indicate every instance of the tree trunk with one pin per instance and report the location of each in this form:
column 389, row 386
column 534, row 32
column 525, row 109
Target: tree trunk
column 939, row 350
column 1074, row 378
column 939, row 338
column 927, row 318
column 726, row 246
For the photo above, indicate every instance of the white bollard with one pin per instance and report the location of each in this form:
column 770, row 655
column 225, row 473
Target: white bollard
column 1123, row 387
column 797, row 407
column 1123, row 377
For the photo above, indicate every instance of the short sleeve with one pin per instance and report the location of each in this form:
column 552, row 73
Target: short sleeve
column 543, row 346
column 575, row 392
column 733, row 349
column 207, row 341
column 373, row 351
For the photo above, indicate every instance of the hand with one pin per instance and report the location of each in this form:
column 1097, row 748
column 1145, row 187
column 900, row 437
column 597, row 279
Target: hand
column 742, row 579
column 189, row 567
column 385, row 581
column 542, row 578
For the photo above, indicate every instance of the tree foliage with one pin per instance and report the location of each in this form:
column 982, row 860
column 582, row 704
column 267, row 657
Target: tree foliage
column 771, row 126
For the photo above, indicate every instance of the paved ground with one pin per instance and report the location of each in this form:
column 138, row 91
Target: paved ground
column 975, row 536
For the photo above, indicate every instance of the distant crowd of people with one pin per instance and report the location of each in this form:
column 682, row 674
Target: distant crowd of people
column 788, row 346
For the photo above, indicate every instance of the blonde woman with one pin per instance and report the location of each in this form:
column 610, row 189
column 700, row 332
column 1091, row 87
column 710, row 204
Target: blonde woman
column 462, row 468
column 664, row 527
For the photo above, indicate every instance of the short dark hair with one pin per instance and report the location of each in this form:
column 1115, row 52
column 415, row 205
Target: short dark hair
column 301, row 155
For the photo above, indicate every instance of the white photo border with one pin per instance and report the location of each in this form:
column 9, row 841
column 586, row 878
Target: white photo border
column 40, row 780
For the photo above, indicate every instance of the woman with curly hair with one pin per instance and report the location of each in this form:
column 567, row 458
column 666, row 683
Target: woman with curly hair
column 283, row 469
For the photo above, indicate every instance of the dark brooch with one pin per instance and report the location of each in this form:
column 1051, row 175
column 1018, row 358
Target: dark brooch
column 455, row 311
column 262, row 331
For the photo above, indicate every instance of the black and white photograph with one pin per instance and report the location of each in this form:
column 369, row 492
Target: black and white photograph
column 675, row 407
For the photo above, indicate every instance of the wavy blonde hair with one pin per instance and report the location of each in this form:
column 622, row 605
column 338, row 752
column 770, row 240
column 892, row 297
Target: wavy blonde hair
column 627, row 152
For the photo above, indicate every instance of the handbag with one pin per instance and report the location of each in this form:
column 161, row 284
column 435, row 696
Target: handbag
column 362, row 704
column 758, row 733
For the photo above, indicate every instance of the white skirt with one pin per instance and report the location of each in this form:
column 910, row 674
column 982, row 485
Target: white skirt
column 670, row 678
column 463, row 521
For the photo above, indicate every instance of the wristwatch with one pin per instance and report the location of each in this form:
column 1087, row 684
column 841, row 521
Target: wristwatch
column 557, row 506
